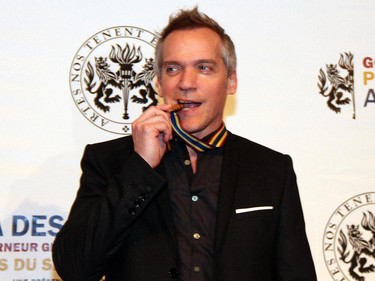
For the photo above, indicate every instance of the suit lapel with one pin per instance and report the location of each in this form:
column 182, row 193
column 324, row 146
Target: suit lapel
column 227, row 190
column 164, row 205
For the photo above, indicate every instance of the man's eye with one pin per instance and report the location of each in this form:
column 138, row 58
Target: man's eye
column 171, row 69
column 204, row 67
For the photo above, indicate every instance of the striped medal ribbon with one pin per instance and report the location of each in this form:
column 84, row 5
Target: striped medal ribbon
column 217, row 140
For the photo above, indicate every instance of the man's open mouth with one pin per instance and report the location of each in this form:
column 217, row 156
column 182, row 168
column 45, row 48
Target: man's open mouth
column 189, row 104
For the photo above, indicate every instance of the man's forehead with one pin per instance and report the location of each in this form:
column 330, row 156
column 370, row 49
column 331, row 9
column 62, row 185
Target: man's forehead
column 192, row 42
column 200, row 30
column 192, row 47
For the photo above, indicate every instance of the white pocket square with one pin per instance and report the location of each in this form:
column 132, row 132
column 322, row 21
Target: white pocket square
column 253, row 209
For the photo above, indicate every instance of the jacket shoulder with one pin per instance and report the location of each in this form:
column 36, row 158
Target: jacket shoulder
column 110, row 153
column 127, row 140
column 118, row 145
column 257, row 150
column 252, row 155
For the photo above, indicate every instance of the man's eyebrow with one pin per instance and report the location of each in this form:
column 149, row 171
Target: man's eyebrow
column 210, row 61
column 169, row 62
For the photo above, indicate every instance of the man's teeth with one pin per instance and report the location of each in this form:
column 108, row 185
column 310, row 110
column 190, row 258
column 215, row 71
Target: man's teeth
column 189, row 104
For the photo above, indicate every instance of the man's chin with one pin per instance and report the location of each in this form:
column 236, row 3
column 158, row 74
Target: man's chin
column 189, row 128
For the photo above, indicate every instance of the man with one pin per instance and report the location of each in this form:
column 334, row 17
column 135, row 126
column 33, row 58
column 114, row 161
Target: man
column 183, row 198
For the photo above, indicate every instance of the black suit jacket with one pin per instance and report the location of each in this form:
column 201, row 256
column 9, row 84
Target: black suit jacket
column 121, row 223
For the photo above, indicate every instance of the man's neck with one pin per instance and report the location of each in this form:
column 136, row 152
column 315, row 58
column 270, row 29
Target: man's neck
column 193, row 158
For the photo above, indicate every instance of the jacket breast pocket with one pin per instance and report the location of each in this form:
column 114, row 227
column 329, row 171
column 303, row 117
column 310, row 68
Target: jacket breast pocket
column 261, row 212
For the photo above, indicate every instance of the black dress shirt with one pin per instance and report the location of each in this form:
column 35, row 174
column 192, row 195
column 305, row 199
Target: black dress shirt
column 194, row 202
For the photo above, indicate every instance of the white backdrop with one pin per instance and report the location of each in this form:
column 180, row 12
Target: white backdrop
column 281, row 46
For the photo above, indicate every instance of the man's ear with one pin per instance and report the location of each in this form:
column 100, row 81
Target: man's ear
column 232, row 84
column 158, row 87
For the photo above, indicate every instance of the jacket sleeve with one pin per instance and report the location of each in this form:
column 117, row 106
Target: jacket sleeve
column 293, row 259
column 105, row 207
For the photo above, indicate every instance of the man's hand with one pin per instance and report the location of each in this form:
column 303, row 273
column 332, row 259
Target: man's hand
column 151, row 133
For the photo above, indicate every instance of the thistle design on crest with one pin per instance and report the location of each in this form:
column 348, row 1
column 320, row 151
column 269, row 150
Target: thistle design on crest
column 360, row 254
column 337, row 87
column 102, row 82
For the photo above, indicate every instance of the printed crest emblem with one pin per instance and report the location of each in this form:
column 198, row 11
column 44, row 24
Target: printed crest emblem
column 112, row 77
column 349, row 240
column 338, row 84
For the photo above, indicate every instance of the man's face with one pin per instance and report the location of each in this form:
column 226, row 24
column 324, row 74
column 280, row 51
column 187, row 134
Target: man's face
column 194, row 74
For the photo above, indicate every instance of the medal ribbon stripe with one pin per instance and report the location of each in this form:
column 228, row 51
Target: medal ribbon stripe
column 216, row 141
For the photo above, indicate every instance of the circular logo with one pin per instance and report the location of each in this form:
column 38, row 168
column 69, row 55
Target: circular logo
column 349, row 240
column 112, row 77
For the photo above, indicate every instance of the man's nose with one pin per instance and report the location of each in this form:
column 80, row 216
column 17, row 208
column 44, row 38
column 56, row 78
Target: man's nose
column 188, row 80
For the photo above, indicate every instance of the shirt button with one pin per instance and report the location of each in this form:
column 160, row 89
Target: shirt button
column 194, row 198
column 132, row 211
column 197, row 269
column 173, row 274
column 196, row 236
column 186, row 162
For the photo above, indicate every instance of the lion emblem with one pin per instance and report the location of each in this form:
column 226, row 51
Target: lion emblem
column 361, row 250
column 102, row 82
column 340, row 92
column 145, row 78
column 103, row 93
